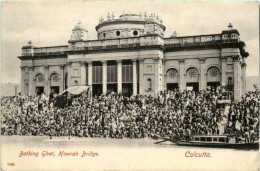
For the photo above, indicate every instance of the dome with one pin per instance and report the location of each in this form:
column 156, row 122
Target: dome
column 79, row 26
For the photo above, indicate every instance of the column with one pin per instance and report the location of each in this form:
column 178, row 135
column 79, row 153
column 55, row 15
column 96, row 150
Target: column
column 134, row 77
column 61, row 78
column 203, row 82
column 22, row 79
column 141, row 78
column 83, row 73
column 164, row 86
column 90, row 75
column 182, row 75
column 156, row 75
column 223, row 71
column 31, row 82
column 119, row 76
column 69, row 74
column 243, row 78
column 104, row 77
column 236, row 78
column 47, row 80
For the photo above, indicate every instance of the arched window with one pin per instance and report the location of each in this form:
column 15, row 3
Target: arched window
column 76, row 83
column 55, row 77
column 39, row 78
column 192, row 75
column 172, row 73
column 193, row 72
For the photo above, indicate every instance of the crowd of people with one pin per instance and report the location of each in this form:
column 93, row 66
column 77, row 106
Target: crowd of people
column 171, row 113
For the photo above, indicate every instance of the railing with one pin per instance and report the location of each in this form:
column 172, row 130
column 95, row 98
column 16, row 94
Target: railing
column 130, row 43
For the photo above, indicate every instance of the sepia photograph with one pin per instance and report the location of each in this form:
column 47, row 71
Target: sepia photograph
column 129, row 85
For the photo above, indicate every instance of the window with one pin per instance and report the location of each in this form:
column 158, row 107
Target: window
column 76, row 83
column 135, row 33
column 118, row 33
column 104, row 35
column 149, row 84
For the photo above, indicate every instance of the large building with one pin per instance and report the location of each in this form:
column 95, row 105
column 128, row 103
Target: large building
column 132, row 56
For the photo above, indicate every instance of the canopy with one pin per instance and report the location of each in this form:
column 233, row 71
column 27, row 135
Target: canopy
column 76, row 90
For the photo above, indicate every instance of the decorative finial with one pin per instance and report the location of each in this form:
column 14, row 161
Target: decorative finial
column 140, row 15
column 157, row 17
column 102, row 19
column 113, row 16
column 174, row 34
column 145, row 14
column 230, row 26
column 108, row 16
column 30, row 43
column 161, row 21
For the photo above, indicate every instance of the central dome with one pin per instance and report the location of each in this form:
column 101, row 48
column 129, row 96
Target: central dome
column 129, row 25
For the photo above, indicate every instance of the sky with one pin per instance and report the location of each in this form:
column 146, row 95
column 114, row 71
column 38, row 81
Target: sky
column 51, row 23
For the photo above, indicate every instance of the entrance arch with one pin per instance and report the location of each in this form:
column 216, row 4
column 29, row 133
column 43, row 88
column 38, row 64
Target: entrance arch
column 54, row 79
column 172, row 82
column 39, row 83
column 192, row 79
column 213, row 77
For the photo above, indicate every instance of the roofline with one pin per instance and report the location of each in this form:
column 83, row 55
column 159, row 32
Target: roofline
column 194, row 36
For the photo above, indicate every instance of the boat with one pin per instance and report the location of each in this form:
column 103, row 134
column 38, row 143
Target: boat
column 216, row 141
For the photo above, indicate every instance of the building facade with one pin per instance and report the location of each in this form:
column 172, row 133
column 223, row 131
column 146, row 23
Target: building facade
column 132, row 56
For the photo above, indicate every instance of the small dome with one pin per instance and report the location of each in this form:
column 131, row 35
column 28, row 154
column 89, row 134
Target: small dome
column 79, row 26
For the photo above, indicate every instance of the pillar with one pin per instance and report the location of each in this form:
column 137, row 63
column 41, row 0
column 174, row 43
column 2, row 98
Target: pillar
column 22, row 79
column 119, row 76
column 69, row 74
column 47, row 80
column 237, row 78
column 203, row 81
column 31, row 82
column 134, row 77
column 90, row 75
column 104, row 77
column 182, row 83
column 141, row 78
column 156, row 78
column 224, row 71
column 83, row 74
column 164, row 86
column 244, row 78
column 61, row 78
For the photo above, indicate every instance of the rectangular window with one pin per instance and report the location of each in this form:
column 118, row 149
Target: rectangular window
column 97, row 75
column 111, row 74
column 127, row 74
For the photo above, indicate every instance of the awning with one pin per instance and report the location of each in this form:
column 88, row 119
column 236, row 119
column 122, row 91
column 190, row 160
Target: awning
column 76, row 90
